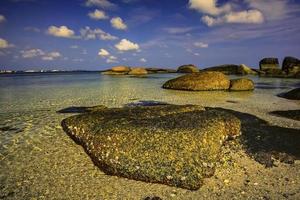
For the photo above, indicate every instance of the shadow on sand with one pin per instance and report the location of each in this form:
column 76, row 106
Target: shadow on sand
column 265, row 142
column 290, row 114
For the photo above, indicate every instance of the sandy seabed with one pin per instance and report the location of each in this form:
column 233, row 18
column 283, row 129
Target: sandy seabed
column 39, row 161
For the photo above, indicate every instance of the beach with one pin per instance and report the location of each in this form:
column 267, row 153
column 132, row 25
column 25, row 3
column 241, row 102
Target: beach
column 38, row 160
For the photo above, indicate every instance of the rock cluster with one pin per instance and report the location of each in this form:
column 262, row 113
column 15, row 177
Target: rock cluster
column 232, row 69
column 207, row 81
column 169, row 144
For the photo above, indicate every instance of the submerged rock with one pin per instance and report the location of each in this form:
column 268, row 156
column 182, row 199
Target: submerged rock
column 242, row 84
column 187, row 69
column 232, row 69
column 199, row 82
column 293, row 94
column 170, row 144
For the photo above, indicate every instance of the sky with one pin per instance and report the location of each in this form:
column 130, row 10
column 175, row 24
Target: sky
column 98, row 34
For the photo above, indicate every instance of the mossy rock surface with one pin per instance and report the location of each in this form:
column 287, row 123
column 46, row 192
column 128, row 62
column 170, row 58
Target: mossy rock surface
column 168, row 144
column 293, row 94
column 242, row 84
column 187, row 69
column 202, row 81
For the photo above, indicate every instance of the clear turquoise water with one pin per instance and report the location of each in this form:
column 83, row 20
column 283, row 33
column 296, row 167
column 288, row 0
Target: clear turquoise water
column 38, row 160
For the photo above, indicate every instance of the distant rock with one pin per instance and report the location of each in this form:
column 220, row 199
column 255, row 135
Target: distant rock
column 232, row 69
column 152, row 70
column 293, row 94
column 199, row 82
column 268, row 63
column 273, row 73
column 187, row 69
column 242, row 84
column 291, row 65
column 173, row 145
column 138, row 71
column 120, row 69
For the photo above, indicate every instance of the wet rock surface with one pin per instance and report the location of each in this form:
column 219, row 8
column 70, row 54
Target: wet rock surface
column 202, row 81
column 169, row 144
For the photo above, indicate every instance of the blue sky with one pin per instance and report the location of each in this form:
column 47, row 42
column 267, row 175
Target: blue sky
column 98, row 34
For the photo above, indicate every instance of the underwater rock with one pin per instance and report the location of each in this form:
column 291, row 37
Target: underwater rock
column 168, row 144
column 202, row 81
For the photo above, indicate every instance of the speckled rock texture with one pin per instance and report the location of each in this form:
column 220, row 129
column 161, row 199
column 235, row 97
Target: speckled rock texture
column 138, row 71
column 168, row 144
column 202, row 81
column 242, row 84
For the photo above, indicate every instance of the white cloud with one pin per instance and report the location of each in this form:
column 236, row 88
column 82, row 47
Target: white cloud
column 243, row 17
column 209, row 7
column 31, row 53
column 51, row 56
column 100, row 3
column 143, row 60
column 62, row 31
column 126, row 45
column 2, row 18
column 118, row 23
column 178, row 30
column 103, row 53
column 98, row 15
column 4, row 44
column 112, row 59
column 200, row 45
column 91, row 34
column 74, row 47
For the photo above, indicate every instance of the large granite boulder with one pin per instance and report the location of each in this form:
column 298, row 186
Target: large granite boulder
column 199, row 82
column 291, row 65
column 153, row 70
column 138, row 71
column 120, row 69
column 169, row 144
column 242, row 84
column 293, row 94
column 268, row 63
column 187, row 69
column 232, row 69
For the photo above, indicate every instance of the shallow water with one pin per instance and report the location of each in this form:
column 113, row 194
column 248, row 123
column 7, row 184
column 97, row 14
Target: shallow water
column 38, row 160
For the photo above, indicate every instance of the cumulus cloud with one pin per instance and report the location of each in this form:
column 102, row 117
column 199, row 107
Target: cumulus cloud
column 112, row 59
column 126, row 45
column 32, row 53
column 143, row 60
column 97, row 15
column 200, row 45
column 91, row 34
column 209, row 7
column 100, row 3
column 2, row 18
column 103, row 53
column 244, row 17
column 4, row 44
column 118, row 23
column 62, row 31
